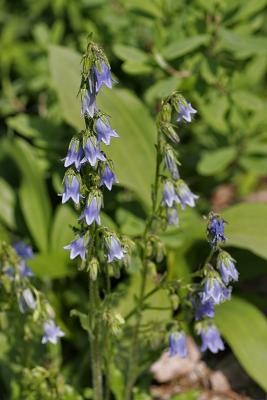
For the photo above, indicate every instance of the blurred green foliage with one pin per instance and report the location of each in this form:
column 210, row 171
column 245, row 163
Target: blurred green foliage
column 215, row 53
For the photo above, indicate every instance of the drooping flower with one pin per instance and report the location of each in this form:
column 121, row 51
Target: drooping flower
column 114, row 249
column 171, row 163
column 215, row 230
column 92, row 211
column 92, row 152
column 172, row 216
column 77, row 248
column 226, row 267
column 177, row 344
column 71, row 189
column 185, row 111
column 24, row 270
column 51, row 332
column 102, row 77
column 214, row 291
column 108, row 178
column 26, row 301
column 211, row 339
column 186, row 197
column 23, row 250
column 74, row 156
column 104, row 132
column 89, row 102
column 169, row 194
column 204, row 308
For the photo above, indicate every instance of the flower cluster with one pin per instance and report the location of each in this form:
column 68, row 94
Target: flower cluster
column 88, row 168
column 30, row 300
column 176, row 191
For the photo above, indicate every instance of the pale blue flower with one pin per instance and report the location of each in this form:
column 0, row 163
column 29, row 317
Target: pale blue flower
column 211, row 339
column 226, row 267
column 71, row 189
column 93, row 153
column 104, row 132
column 177, row 344
column 185, row 111
column 114, row 249
column 91, row 212
column 102, row 77
column 77, row 248
column 26, row 301
column 169, row 194
column 51, row 332
column 74, row 156
column 108, row 178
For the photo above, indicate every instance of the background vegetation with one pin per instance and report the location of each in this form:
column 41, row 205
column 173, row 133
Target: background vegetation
column 215, row 53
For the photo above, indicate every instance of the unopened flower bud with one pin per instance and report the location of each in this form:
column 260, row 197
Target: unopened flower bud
column 93, row 268
column 152, row 269
column 174, row 301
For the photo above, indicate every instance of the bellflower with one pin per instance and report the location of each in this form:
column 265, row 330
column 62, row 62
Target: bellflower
column 108, row 178
column 24, row 270
column 204, row 309
column 114, row 249
column 74, row 156
column 23, row 250
column 89, row 103
column 172, row 216
column 171, row 163
column 169, row 194
column 211, row 339
column 185, row 112
column 216, row 230
column 103, row 77
column 26, row 301
column 71, row 189
column 186, row 197
column 226, row 267
column 51, row 332
column 177, row 344
column 92, row 152
column 77, row 248
column 92, row 211
column 104, row 132
column 214, row 291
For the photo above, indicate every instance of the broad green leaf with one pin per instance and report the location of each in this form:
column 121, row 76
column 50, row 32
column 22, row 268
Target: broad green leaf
column 242, row 46
column 146, row 6
column 247, row 100
column 216, row 161
column 33, row 195
column 136, row 68
column 246, row 227
column 128, row 53
column 248, row 8
column 54, row 264
column 255, row 164
column 130, row 118
column 61, row 232
column 84, row 321
column 183, row 46
column 116, row 382
column 162, row 88
column 8, row 203
column 244, row 328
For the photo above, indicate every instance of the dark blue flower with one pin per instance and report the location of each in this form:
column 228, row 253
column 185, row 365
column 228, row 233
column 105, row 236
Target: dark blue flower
column 185, row 196
column 93, row 153
column 204, row 308
column 103, row 77
column 108, row 178
column 185, row 111
column 171, row 164
column 51, row 332
column 211, row 339
column 71, row 189
column 114, row 249
column 215, row 230
column 23, row 250
column 77, row 248
column 226, row 267
column 89, row 102
column 104, row 131
column 169, row 194
column 177, row 344
column 24, row 270
column 172, row 216
column 92, row 211
column 74, row 156
column 214, row 291
column 26, row 301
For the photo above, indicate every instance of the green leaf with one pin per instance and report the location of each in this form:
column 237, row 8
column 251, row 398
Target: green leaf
column 8, row 203
column 216, row 161
column 146, row 6
column 136, row 68
column 84, row 321
column 245, row 329
column 242, row 46
column 183, row 46
column 162, row 88
column 248, row 8
column 116, row 382
column 130, row 118
column 54, row 264
column 246, row 227
column 61, row 232
column 33, row 195
column 247, row 100
column 128, row 53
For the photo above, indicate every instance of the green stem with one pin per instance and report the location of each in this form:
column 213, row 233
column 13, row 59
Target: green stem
column 134, row 356
column 107, row 345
